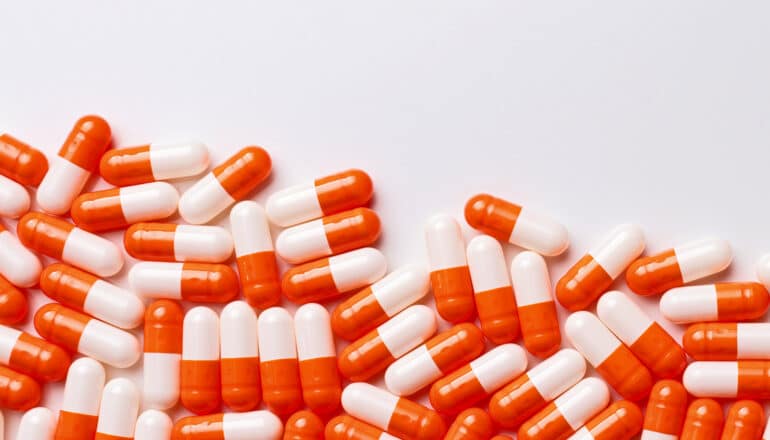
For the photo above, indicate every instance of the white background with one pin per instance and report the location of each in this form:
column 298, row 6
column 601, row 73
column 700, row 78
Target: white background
column 602, row 113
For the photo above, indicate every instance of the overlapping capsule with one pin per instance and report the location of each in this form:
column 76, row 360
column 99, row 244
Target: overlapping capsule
column 14, row 198
column 17, row 264
column 241, row 386
column 118, row 410
column 148, row 163
column 536, row 308
column 715, row 302
column 196, row 282
column 666, row 411
column 741, row 379
column 21, row 162
column 80, row 403
column 727, row 341
column 162, row 353
column 278, row 363
column 200, row 387
column 317, row 355
column 170, row 242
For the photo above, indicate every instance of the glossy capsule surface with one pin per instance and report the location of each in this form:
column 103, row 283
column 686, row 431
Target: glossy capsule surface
column 278, row 363
column 704, row 421
column 196, row 282
column 170, row 242
column 304, row 425
column 18, row 391
column 17, row 264
column 162, row 353
column 118, row 410
column 254, row 425
column 537, row 310
column 715, row 302
column 14, row 198
column 37, row 424
column 148, row 163
column 620, row 421
column 745, row 421
column 471, row 424
column 80, row 403
column 14, row 303
column 32, row 356
column 727, row 341
column 321, row 388
column 20, row 162
column 200, row 387
column 666, row 411
column 741, row 379
column 347, row 428
column 153, row 425
column 241, row 386
column 117, row 208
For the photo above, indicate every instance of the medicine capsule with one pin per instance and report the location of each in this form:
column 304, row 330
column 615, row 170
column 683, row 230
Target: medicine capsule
column 32, row 356
column 374, row 305
column 37, row 424
column 18, row 392
column 329, row 278
column 196, row 282
column 666, row 411
column 741, row 379
column 317, row 356
column 241, row 388
column 471, row 424
column 703, row 422
column 58, row 239
column 325, row 196
column 88, row 294
column 511, row 223
column 17, row 264
column 478, row 379
column 226, row 184
column 438, row 357
column 14, row 303
column 153, row 425
column 612, row 360
column 537, row 310
column 170, row 242
column 745, row 421
column 715, row 302
column 118, row 410
column 621, row 421
column 278, row 364
column 80, row 333
column 593, row 274
column 20, row 162
column 257, row 268
column 327, row 236
column 148, row 163
column 347, row 428
column 381, row 347
column 117, row 208
column 80, row 404
column 199, row 370
column 396, row 415
column 646, row 339
column 565, row 415
column 727, row 341
column 14, row 198
column 678, row 266
column 254, row 425
column 162, row 354
column 450, row 276
column 524, row 397
column 304, row 425
column 78, row 158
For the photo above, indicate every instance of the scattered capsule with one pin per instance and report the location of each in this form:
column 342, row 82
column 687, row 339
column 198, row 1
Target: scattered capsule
column 199, row 370
column 226, row 184
column 14, row 303
column 745, row 421
column 14, row 198
column 18, row 391
column 323, row 197
column 118, row 410
column 37, row 424
column 621, row 421
column 278, row 363
column 20, row 162
column 347, row 428
column 78, row 158
column 241, row 388
column 379, row 348
column 153, row 425
column 304, row 425
column 17, row 264
column 196, row 282
column 537, row 310
column 478, row 379
column 703, row 422
column 666, row 411
column 58, row 239
column 117, row 208
column 170, row 242
column 317, row 356
column 612, row 360
column 593, row 274
column 471, row 424
column 32, row 356
column 80, row 404
column 450, row 276
column 727, row 341
column 162, row 354
column 715, row 302
column 149, row 163
column 741, row 379
column 254, row 425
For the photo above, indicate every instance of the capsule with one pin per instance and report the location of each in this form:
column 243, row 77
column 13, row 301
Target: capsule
column 703, row 422
column 620, row 421
column 745, row 421
column 531, row 392
column 196, row 282
column 58, row 239
column 278, row 364
column 32, row 356
column 511, row 223
column 396, row 415
column 304, row 425
column 153, row 425
column 478, row 379
column 612, row 360
column 471, row 424
column 17, row 264
column 257, row 267
column 226, row 184
column 14, row 304
column 14, row 198
column 241, row 388
column 329, row 278
column 199, row 370
column 78, row 158
column 80, row 333
column 18, row 391
column 325, row 196
column 149, row 163
column 678, row 266
column 254, row 425
column 20, row 162
column 117, row 208
column 317, row 356
column 593, row 274
column 715, row 302
column 727, row 341
column 37, row 424
column 436, row 358
column 646, row 339
column 666, row 411
column 118, row 410
column 162, row 354
column 537, row 310
column 347, row 428
column 80, row 404
column 741, row 379
column 450, row 276
column 379, row 348
column 374, row 305
column 170, row 242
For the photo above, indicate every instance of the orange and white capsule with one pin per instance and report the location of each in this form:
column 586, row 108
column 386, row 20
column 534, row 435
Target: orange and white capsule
column 78, row 158
column 745, row 421
column 323, row 197
column 666, row 411
column 199, row 370
column 86, row 293
column 18, row 392
column 118, row 410
column 254, row 425
column 14, row 198
column 20, row 162
column 153, row 425
column 327, row 236
column 715, row 302
column 61, row 240
column 329, row 278
column 80, row 333
column 80, row 404
column 727, row 341
column 537, row 310
column 196, row 282
column 317, row 356
column 278, row 364
column 514, row 224
column 440, row 356
column 646, row 339
column 17, row 264
column 612, row 360
column 471, row 424
column 703, row 422
column 478, row 379
column 347, row 428
column 678, row 266
column 32, row 356
column 37, row 424
column 620, row 421
column 593, row 274
column 170, row 242
column 162, row 354
column 257, row 267
column 241, row 388
column 14, row 303
column 117, row 208
column 729, row 380
column 379, row 348
column 304, row 425
column 148, row 163
column 450, row 276
column 226, row 184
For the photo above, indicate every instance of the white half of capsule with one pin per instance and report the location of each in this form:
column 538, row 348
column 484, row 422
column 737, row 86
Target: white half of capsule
column 160, row 388
column 711, row 379
column 119, row 408
column 401, row 288
column 206, row 244
column 313, row 332
column 153, row 425
column 530, row 279
column 622, row 316
column 37, row 424
column 114, row 305
column 582, row 434
column 109, row 344
column 61, row 184
column 8, row 338
column 17, row 263
column 14, row 198
column 414, row 371
column 200, row 335
column 151, row 279
column 294, row 205
column 238, row 331
column 83, row 387
column 699, row 259
column 499, row 366
column 92, row 253
column 763, row 270
column 251, row 232
column 590, row 337
column 178, row 160
column 540, row 233
column 558, row 373
column 407, row 330
column 148, row 201
column 687, row 304
column 368, row 403
column 358, row 268
column 303, row 242
column 583, row 401
column 257, row 425
column 276, row 335
column 487, row 264
column 619, row 249
column 204, row 200
column 444, row 239
column 752, row 340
